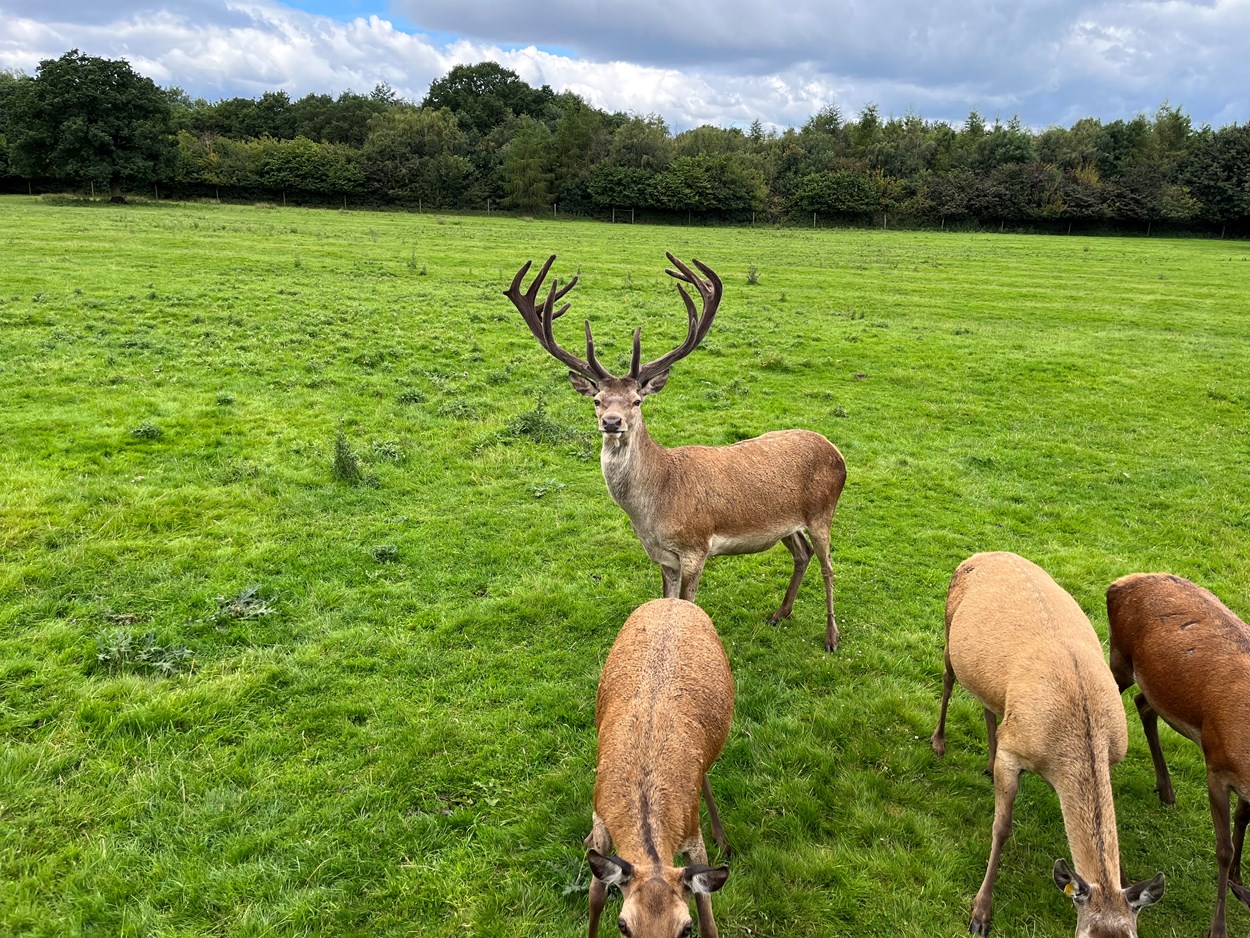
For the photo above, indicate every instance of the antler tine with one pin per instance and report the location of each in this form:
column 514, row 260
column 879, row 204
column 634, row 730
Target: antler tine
column 633, row 364
column 539, row 321
column 697, row 325
column 590, row 354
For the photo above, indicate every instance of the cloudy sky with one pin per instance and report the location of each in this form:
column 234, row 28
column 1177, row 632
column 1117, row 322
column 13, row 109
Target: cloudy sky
column 725, row 63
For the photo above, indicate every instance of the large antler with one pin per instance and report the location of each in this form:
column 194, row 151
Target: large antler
column 697, row 325
column 540, row 321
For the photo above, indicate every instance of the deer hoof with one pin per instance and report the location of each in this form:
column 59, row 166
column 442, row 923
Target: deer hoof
column 1166, row 795
column 979, row 927
column 939, row 744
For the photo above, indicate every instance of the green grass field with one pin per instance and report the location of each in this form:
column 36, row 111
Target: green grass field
column 242, row 694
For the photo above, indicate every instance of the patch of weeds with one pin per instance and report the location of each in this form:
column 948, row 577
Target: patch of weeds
column 247, row 604
column 753, row 275
column 854, row 314
column 774, row 361
column 147, row 431
column 782, row 298
column 840, row 411
column 570, row 876
column 551, row 485
column 225, row 400
column 298, row 262
column 346, row 466
column 410, row 396
column 585, row 449
column 389, row 450
column 385, row 553
column 961, row 330
column 118, row 651
column 459, row 409
column 535, row 426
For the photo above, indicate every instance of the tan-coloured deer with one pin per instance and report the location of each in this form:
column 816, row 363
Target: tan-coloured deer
column 665, row 703
column 1190, row 656
column 690, row 503
column 1025, row 650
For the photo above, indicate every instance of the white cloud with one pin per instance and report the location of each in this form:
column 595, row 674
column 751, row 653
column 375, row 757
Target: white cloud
column 724, row 63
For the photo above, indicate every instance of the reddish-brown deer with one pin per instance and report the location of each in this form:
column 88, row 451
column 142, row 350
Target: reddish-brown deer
column 1190, row 657
column 1025, row 650
column 690, row 503
column 664, row 706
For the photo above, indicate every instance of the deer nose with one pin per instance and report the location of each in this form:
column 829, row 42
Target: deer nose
column 611, row 424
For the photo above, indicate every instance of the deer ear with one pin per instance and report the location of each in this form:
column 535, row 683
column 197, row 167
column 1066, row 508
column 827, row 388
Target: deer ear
column 583, row 386
column 1071, row 883
column 654, row 385
column 702, row 880
column 612, row 870
column 1147, row 892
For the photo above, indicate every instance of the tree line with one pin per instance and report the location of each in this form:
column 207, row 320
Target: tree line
column 483, row 138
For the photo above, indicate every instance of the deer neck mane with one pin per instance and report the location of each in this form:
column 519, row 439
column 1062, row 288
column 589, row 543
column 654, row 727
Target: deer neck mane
column 628, row 463
column 1089, row 821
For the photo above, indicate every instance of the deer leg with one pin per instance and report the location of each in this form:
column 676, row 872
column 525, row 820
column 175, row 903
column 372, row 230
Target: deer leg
column 697, row 853
column 718, row 832
column 820, row 540
column 991, row 739
column 598, row 840
column 801, row 549
column 1240, row 820
column 1150, row 724
column 1219, row 793
column 1006, row 783
column 691, row 571
column 938, row 740
column 672, row 581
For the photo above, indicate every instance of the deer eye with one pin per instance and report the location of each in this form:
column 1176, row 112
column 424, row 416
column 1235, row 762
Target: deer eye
column 624, row 928
column 638, row 403
column 686, row 930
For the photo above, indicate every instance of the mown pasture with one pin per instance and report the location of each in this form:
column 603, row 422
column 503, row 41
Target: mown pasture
column 307, row 569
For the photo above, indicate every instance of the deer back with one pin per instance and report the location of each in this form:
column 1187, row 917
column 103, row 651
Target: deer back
column 1189, row 654
column 663, row 710
column 1014, row 635
column 777, row 480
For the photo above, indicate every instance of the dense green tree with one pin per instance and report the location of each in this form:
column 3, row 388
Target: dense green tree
column 1004, row 145
column 486, row 95
column 418, row 154
column 90, row 119
column 642, row 142
column 526, row 176
column 842, row 193
column 1216, row 172
column 580, row 141
column 614, row 186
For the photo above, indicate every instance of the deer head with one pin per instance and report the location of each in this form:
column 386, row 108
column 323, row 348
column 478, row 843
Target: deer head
column 617, row 399
column 656, row 902
column 1113, row 915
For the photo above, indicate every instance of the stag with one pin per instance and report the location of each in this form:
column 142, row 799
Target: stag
column 690, row 503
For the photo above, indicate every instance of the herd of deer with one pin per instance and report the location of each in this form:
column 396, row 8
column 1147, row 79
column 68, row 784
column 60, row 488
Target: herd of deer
column 1014, row 638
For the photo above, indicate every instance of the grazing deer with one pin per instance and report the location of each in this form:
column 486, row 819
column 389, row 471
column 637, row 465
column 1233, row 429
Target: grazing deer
column 1026, row 651
column 1190, row 656
column 663, row 710
column 689, row 503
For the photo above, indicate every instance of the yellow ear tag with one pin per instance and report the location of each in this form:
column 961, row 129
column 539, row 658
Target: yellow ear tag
column 1069, row 889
